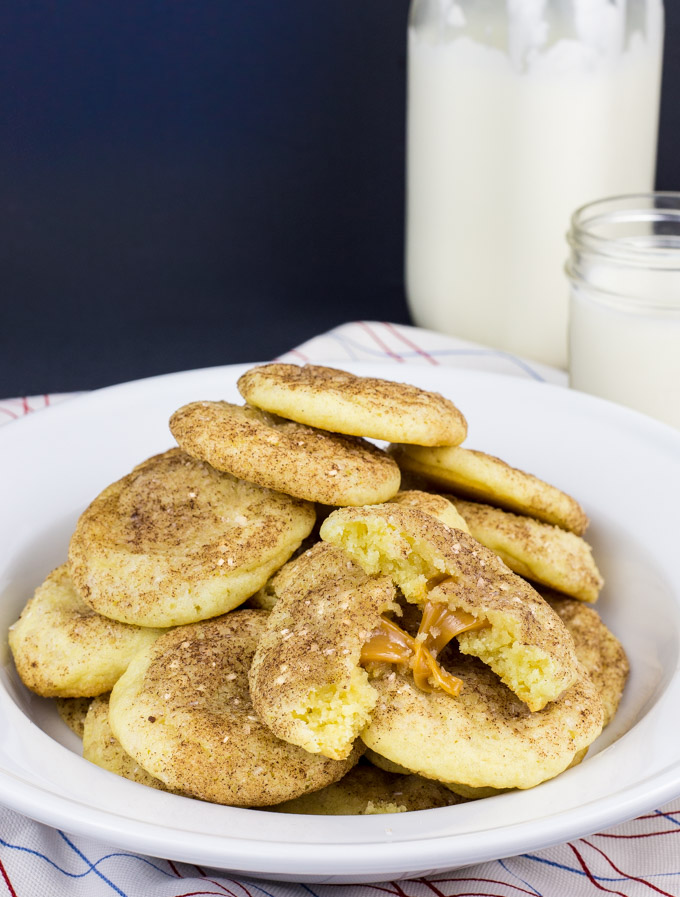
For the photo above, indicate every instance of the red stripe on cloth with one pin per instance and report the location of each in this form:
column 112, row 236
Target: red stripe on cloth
column 642, row 881
column 203, row 893
column 488, row 881
column 383, row 345
column 5, row 876
column 411, row 344
column 666, row 831
column 387, row 888
column 218, row 884
column 299, row 354
column 494, row 893
column 589, row 874
column 660, row 815
column 227, row 890
column 431, row 885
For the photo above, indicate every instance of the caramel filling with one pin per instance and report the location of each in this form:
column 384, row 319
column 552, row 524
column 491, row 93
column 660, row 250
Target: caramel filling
column 390, row 644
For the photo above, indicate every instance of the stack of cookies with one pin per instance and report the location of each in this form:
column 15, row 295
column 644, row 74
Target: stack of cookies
column 279, row 613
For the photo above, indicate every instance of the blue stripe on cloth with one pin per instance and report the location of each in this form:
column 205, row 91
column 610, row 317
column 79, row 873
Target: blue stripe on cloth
column 504, row 866
column 669, row 816
column 257, row 887
column 92, row 866
column 309, row 890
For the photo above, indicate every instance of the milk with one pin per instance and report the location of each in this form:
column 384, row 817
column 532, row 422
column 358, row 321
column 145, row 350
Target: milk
column 503, row 145
column 624, row 332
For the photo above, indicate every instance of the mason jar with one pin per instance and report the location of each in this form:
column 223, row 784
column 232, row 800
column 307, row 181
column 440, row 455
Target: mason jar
column 519, row 111
column 624, row 322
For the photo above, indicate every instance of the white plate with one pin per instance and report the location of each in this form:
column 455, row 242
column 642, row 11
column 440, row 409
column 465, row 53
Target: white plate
column 623, row 467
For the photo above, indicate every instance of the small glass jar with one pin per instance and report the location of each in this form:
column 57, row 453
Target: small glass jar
column 624, row 321
column 519, row 112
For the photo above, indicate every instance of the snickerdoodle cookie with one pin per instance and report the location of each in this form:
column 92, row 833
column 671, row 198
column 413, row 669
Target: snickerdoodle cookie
column 358, row 406
column 597, row 649
column 182, row 710
column 494, row 613
column 481, row 477
column 436, row 505
column 101, row 747
column 177, row 541
column 63, row 648
column 290, row 457
column 367, row 790
column 307, row 682
column 485, row 738
column 73, row 712
column 537, row 551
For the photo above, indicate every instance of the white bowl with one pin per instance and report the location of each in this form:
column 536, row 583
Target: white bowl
column 623, row 467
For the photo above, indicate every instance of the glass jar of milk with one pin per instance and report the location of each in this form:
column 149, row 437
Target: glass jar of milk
column 624, row 325
column 519, row 111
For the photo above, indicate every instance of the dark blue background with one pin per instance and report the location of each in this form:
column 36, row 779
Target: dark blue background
column 193, row 183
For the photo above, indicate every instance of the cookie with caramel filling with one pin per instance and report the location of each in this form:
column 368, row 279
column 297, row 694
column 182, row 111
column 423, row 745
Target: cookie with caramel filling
column 306, row 681
column 436, row 505
column 183, row 712
column 358, row 406
column 513, row 629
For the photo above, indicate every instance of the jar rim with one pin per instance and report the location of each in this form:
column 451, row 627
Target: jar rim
column 648, row 249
